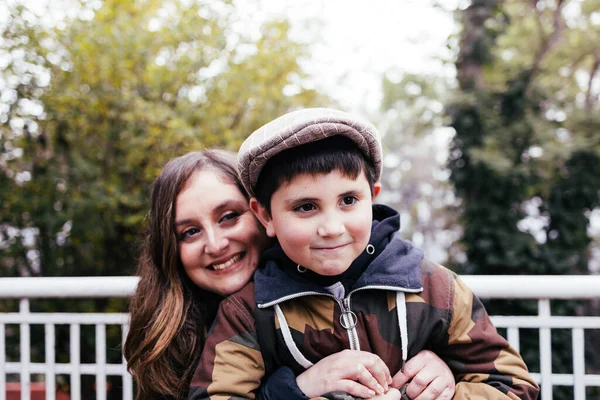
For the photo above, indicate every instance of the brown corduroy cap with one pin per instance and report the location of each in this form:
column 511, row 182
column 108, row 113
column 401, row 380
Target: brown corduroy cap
column 300, row 127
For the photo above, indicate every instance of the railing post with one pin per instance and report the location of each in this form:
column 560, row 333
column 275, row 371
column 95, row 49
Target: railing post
column 25, row 343
column 2, row 363
column 545, row 351
column 100, row 362
column 512, row 334
column 578, row 341
column 127, row 380
column 75, row 363
column 50, row 360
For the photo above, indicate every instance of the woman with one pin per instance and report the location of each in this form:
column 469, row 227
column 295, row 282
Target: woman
column 203, row 243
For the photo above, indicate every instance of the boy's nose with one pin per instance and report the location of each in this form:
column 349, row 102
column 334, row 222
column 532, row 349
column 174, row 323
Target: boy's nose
column 331, row 226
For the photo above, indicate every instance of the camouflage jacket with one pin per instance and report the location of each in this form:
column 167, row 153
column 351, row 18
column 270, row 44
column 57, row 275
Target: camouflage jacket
column 400, row 305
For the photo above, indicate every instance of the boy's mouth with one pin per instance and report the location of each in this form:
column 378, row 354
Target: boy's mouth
column 227, row 263
column 331, row 248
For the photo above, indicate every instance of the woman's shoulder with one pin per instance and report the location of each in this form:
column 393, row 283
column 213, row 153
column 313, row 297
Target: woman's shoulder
column 236, row 312
column 242, row 299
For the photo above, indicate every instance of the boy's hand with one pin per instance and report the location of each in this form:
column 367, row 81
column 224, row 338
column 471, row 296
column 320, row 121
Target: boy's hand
column 392, row 394
column 431, row 378
column 357, row 373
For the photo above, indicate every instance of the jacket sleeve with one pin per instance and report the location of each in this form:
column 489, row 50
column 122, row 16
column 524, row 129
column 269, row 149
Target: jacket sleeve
column 484, row 364
column 231, row 365
column 281, row 384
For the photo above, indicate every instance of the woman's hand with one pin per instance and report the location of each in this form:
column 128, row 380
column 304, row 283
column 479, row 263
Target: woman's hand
column 431, row 378
column 357, row 373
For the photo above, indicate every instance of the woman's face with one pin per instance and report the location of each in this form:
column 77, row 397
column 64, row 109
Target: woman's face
column 219, row 239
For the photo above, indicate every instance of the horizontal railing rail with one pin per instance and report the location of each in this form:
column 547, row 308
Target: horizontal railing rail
column 484, row 286
column 542, row 288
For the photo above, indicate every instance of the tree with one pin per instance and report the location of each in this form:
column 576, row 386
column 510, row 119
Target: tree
column 93, row 102
column 94, row 106
column 526, row 150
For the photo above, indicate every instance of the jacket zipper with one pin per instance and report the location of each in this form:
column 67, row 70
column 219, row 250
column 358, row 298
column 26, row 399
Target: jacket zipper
column 348, row 320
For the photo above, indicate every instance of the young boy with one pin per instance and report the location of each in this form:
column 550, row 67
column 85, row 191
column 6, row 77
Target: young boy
column 340, row 277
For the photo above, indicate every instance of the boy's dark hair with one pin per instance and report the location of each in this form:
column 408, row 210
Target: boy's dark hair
column 335, row 153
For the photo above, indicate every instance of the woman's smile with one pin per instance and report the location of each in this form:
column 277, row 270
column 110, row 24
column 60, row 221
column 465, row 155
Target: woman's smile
column 225, row 265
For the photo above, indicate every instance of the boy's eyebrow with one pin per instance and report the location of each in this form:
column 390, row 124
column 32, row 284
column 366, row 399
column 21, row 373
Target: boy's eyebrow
column 353, row 192
column 296, row 200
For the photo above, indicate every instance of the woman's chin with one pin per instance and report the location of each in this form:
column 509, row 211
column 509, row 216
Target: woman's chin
column 231, row 288
column 235, row 282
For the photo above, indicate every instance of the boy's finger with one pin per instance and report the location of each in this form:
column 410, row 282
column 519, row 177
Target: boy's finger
column 367, row 379
column 379, row 370
column 392, row 394
column 433, row 391
column 446, row 394
column 411, row 369
column 400, row 380
column 355, row 389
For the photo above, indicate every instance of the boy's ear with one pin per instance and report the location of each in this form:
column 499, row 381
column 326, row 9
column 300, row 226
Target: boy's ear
column 376, row 189
column 263, row 216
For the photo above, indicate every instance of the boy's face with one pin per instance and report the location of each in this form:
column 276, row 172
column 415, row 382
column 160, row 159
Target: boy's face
column 323, row 222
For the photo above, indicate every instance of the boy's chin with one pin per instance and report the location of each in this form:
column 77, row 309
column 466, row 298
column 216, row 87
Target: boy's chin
column 330, row 270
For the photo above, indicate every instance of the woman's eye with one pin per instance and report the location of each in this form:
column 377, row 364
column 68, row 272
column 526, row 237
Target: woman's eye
column 188, row 233
column 349, row 200
column 229, row 216
column 305, row 208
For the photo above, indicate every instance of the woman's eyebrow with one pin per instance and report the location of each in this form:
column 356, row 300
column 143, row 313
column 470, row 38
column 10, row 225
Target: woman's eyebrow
column 225, row 204
column 182, row 222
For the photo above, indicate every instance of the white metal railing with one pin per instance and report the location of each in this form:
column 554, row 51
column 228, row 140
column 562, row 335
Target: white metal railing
column 542, row 288
column 81, row 287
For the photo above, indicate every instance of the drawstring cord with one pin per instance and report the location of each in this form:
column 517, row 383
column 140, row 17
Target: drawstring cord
column 402, row 325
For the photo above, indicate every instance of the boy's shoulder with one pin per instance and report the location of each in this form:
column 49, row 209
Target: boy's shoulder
column 439, row 284
column 434, row 272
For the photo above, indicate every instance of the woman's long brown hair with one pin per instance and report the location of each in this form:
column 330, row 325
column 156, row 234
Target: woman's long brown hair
column 170, row 316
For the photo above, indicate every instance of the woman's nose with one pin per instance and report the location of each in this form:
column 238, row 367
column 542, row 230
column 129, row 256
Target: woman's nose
column 216, row 242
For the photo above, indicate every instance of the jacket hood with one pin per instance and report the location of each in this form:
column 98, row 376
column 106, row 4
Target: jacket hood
column 394, row 265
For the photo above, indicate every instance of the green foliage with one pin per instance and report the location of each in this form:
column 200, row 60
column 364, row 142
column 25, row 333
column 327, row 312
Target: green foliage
column 525, row 133
column 527, row 138
column 95, row 102
column 98, row 101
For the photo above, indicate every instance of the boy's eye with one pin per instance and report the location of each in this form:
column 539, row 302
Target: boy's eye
column 305, row 208
column 349, row 200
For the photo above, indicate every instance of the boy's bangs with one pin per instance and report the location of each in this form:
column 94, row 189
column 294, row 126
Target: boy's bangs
column 336, row 153
column 349, row 165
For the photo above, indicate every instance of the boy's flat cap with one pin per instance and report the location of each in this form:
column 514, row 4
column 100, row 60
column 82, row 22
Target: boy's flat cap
column 301, row 127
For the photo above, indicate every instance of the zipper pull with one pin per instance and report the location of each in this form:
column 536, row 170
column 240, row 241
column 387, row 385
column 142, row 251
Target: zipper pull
column 351, row 320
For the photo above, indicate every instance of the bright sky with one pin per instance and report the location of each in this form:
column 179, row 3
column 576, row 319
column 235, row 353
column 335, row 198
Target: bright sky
column 359, row 40
column 356, row 41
